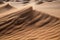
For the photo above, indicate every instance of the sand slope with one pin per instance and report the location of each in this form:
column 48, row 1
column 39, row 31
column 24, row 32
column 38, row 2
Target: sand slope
column 29, row 24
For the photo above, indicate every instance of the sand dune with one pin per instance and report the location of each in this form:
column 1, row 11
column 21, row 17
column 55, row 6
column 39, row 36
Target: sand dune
column 28, row 24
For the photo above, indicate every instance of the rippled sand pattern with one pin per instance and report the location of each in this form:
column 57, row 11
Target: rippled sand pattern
column 30, row 25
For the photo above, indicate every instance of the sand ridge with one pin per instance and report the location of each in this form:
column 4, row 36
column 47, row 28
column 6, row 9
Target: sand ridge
column 29, row 24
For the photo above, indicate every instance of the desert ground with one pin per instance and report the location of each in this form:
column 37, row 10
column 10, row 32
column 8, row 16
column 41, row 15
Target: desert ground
column 30, row 21
column 52, row 8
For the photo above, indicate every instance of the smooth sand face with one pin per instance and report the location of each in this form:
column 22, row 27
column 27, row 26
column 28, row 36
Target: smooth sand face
column 51, row 8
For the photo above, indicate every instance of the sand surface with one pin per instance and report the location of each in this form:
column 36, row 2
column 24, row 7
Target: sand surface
column 40, row 23
column 51, row 8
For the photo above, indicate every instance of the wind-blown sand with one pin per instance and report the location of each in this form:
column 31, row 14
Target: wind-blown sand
column 51, row 8
column 31, row 23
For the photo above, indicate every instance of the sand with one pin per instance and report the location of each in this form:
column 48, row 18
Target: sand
column 30, row 24
column 51, row 8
